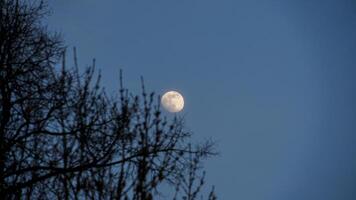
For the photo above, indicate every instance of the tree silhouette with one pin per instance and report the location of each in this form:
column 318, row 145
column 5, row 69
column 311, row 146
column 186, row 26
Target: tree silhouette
column 63, row 137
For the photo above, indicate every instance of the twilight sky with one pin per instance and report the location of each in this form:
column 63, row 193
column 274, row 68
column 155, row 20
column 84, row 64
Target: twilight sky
column 272, row 81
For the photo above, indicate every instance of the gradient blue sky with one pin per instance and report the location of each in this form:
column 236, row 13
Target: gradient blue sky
column 273, row 81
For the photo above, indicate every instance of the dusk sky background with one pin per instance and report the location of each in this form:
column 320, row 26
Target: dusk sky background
column 273, row 82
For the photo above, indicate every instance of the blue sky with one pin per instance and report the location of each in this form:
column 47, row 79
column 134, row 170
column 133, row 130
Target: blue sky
column 272, row 81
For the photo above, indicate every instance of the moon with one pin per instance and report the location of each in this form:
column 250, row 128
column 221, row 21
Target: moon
column 172, row 101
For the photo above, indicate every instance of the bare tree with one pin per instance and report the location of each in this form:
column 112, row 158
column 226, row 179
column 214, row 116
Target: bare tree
column 63, row 137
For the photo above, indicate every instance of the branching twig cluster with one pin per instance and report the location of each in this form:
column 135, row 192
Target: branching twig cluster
column 62, row 137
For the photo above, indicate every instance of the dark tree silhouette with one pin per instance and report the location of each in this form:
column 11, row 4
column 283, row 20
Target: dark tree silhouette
column 62, row 137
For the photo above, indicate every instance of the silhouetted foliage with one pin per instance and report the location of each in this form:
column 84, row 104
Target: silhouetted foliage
column 62, row 137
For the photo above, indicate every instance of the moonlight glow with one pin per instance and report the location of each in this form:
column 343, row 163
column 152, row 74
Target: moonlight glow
column 172, row 101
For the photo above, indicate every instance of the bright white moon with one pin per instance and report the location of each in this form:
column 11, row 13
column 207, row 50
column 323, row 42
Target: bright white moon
column 172, row 101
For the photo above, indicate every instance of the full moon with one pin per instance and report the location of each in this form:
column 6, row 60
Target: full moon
column 172, row 101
